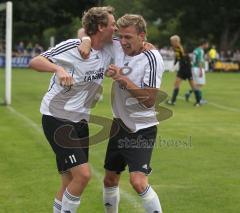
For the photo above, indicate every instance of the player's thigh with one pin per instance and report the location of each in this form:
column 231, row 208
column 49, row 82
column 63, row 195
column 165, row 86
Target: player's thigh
column 198, row 75
column 66, row 157
column 114, row 160
column 138, row 156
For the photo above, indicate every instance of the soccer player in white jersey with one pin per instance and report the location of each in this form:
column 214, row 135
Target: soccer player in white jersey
column 137, row 77
column 66, row 105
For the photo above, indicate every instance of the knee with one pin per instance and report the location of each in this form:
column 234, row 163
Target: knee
column 86, row 176
column 138, row 184
column 110, row 181
column 82, row 178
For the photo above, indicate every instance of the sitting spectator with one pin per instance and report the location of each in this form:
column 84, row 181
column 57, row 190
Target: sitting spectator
column 38, row 49
column 20, row 48
column 29, row 48
column 236, row 56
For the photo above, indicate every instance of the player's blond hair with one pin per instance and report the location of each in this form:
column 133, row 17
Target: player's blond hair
column 94, row 17
column 133, row 20
column 175, row 38
column 178, row 40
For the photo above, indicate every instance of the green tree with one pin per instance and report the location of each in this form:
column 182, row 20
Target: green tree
column 32, row 18
column 217, row 20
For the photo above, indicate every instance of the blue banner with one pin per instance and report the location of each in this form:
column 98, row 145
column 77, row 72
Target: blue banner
column 18, row 61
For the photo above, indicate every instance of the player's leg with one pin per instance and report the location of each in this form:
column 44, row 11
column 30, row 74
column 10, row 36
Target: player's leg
column 50, row 125
column 138, row 159
column 150, row 199
column 73, row 160
column 188, row 94
column 71, row 196
column 199, row 78
column 175, row 91
column 66, row 178
column 114, row 165
column 111, row 195
column 201, row 83
column 195, row 77
column 76, row 161
column 197, row 92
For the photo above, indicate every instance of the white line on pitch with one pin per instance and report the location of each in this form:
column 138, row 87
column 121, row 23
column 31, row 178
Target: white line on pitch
column 224, row 107
column 26, row 119
column 219, row 106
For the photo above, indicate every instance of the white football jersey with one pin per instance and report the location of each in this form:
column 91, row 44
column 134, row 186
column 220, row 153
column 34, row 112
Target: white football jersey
column 145, row 69
column 74, row 103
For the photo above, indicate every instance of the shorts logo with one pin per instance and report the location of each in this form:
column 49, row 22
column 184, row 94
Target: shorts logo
column 107, row 204
column 145, row 166
column 72, row 158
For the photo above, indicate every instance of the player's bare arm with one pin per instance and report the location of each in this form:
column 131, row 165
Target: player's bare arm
column 146, row 96
column 85, row 46
column 42, row 64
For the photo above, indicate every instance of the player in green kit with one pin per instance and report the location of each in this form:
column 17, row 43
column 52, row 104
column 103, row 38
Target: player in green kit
column 198, row 68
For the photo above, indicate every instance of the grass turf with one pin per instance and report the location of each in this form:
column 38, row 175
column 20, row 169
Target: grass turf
column 195, row 163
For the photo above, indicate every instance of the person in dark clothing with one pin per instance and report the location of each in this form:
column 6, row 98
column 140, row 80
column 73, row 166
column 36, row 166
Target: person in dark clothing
column 184, row 72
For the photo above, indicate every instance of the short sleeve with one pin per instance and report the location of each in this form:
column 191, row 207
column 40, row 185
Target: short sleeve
column 61, row 50
column 154, row 69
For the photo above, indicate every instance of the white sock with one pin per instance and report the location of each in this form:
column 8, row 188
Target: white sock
column 70, row 203
column 150, row 200
column 57, row 205
column 111, row 198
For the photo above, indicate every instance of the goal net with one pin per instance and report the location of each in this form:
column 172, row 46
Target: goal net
column 5, row 52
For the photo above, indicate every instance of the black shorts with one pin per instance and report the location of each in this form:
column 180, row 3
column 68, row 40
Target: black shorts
column 64, row 137
column 184, row 75
column 132, row 149
column 185, row 71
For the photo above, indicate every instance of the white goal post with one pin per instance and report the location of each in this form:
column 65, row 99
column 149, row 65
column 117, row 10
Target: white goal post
column 8, row 50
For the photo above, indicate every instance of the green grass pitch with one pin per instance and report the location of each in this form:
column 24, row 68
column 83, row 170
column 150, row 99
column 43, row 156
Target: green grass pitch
column 196, row 166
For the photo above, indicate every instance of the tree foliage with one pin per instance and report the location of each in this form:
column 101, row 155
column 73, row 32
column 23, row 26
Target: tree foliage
column 31, row 19
column 216, row 20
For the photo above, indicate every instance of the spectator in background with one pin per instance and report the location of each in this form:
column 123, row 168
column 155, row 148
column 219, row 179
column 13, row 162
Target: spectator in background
column 20, row 48
column 29, row 48
column 212, row 56
column 229, row 55
column 222, row 55
column 236, row 56
column 38, row 49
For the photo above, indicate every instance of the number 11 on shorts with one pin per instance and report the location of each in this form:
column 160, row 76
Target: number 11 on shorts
column 72, row 158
